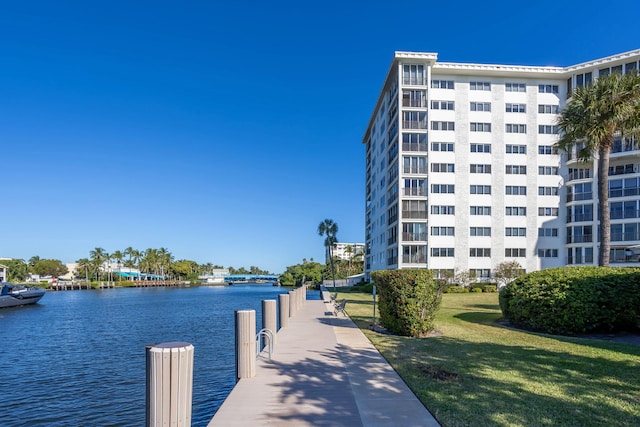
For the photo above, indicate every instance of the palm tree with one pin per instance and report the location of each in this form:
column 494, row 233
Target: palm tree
column 98, row 257
column 594, row 116
column 118, row 256
column 329, row 229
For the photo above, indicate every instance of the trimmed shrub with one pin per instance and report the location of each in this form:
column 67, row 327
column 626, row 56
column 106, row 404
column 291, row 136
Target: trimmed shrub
column 408, row 300
column 366, row 288
column 574, row 300
column 455, row 289
column 490, row 288
column 476, row 290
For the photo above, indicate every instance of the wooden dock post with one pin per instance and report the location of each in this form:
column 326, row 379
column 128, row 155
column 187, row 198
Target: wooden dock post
column 269, row 318
column 283, row 299
column 245, row 344
column 292, row 303
column 169, row 384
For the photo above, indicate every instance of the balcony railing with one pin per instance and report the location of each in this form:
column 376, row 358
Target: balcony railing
column 579, row 217
column 583, row 174
column 579, row 196
column 414, row 259
column 415, row 191
column 414, row 237
column 414, row 124
column 416, row 170
column 414, row 214
column 585, row 238
column 415, row 146
column 619, row 192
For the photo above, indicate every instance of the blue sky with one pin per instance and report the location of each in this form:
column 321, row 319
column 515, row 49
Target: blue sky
column 227, row 131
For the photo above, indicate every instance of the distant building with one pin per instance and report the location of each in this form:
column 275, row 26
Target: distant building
column 341, row 251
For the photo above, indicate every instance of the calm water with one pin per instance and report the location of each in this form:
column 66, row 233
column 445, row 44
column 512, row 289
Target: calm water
column 78, row 357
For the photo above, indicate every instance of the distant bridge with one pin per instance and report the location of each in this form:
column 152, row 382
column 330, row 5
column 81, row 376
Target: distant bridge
column 232, row 278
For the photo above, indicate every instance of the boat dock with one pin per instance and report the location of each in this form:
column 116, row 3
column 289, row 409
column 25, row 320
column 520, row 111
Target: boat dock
column 323, row 372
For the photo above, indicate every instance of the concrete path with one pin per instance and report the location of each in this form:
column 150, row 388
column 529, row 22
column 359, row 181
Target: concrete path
column 324, row 372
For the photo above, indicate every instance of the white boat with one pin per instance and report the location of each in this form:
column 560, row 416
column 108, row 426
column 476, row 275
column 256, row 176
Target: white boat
column 13, row 295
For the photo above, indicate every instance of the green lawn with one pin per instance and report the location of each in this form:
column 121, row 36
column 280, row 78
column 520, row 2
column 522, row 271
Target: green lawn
column 478, row 373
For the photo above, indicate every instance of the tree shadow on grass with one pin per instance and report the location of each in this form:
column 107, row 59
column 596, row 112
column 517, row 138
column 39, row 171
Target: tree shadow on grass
column 518, row 384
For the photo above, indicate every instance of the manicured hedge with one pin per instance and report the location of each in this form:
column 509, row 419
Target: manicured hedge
column 408, row 300
column 574, row 300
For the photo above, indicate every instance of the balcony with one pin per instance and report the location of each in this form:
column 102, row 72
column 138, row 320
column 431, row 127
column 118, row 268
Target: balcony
column 414, row 237
column 414, row 124
column 579, row 217
column 415, row 146
column 582, row 174
column 579, row 196
column 585, row 238
column 416, row 170
column 413, row 191
column 414, row 259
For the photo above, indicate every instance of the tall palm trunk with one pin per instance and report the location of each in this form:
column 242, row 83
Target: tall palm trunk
column 603, row 204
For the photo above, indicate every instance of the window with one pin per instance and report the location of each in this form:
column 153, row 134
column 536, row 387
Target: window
column 548, row 253
column 515, row 87
column 516, row 149
column 515, row 211
column 442, row 252
column 547, row 149
column 442, row 231
column 480, row 86
column 441, row 146
column 414, row 254
column 480, row 189
column 515, row 128
column 515, row 190
column 413, row 74
column 480, row 252
column 443, row 210
column 548, row 89
column 480, row 168
column 547, row 211
column 515, row 232
column 443, row 125
column 414, row 120
column 480, row 210
column 414, row 141
column 547, row 232
column 480, row 106
column 480, row 273
column 442, row 84
column 547, row 191
column 516, row 108
column 515, row 170
column 443, row 188
column 547, row 170
column 480, row 127
column 547, row 130
column 480, row 148
column 415, row 187
column 414, row 164
column 548, row 109
column 414, row 209
column 480, row 231
column 442, row 167
column 442, row 105
column 414, row 98
column 414, row 231
column 515, row 252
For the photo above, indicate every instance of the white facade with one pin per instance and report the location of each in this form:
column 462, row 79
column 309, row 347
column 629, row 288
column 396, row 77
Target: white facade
column 346, row 251
column 461, row 173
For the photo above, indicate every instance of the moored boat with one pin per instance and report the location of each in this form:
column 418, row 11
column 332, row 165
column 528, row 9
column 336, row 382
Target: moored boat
column 12, row 295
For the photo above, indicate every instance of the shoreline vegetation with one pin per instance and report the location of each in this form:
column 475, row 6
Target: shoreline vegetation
column 478, row 372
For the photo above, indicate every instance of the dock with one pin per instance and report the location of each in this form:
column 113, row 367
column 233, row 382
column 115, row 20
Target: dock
column 323, row 372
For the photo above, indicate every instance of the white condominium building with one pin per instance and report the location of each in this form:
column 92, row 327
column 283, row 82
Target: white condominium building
column 346, row 251
column 461, row 172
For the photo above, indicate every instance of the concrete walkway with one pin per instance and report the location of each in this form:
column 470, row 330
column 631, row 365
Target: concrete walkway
column 324, row 372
